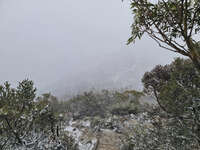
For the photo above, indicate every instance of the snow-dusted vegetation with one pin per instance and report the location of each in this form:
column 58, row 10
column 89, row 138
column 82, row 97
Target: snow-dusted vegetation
column 165, row 116
column 29, row 123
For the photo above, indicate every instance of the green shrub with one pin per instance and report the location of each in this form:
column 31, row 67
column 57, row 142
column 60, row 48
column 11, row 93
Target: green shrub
column 104, row 102
column 176, row 88
column 124, row 108
column 26, row 122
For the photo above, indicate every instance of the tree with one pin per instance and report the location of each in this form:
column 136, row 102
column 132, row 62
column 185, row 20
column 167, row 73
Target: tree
column 154, row 80
column 173, row 24
column 16, row 111
column 29, row 123
column 176, row 87
column 177, row 83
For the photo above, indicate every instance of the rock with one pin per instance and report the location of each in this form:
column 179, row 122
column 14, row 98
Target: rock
column 104, row 133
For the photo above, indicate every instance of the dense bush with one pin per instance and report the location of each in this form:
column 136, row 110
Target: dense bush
column 125, row 103
column 124, row 108
column 156, row 132
column 103, row 103
column 176, row 88
column 26, row 122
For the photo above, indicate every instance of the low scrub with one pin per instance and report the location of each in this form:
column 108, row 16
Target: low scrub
column 103, row 103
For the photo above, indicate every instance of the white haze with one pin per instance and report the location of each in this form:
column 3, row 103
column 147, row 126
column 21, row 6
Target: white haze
column 66, row 46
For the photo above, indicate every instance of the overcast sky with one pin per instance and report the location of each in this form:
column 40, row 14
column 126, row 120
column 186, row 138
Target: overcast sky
column 49, row 41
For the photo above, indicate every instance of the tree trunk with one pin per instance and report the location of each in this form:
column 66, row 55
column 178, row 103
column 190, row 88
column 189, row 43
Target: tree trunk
column 196, row 62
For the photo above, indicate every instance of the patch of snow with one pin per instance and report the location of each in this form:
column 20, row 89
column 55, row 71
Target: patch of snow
column 71, row 122
column 88, row 146
column 86, row 123
column 74, row 132
column 107, row 130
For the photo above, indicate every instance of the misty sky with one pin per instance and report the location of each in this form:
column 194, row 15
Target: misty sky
column 49, row 41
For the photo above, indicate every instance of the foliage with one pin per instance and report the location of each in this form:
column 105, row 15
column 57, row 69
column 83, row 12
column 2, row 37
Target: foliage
column 124, row 108
column 159, row 132
column 176, row 32
column 104, row 102
column 17, row 110
column 26, row 122
column 176, row 87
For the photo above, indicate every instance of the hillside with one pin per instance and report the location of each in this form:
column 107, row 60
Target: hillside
column 120, row 72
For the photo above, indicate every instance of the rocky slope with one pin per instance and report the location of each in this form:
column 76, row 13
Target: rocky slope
column 110, row 133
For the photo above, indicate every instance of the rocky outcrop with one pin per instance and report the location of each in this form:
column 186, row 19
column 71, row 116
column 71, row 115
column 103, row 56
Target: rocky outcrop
column 102, row 133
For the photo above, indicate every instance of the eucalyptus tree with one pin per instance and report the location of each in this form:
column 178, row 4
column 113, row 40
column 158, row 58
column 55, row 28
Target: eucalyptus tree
column 173, row 24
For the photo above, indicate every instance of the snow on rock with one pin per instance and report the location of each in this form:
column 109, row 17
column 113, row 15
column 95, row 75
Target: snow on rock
column 86, row 123
column 91, row 145
column 109, row 133
column 74, row 132
column 82, row 137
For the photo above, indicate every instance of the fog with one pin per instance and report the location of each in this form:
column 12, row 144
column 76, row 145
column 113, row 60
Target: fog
column 66, row 46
